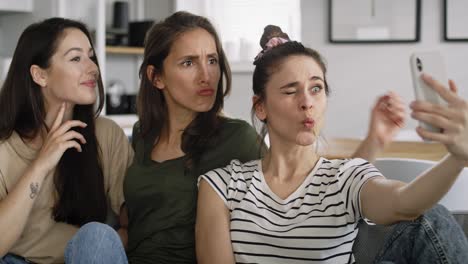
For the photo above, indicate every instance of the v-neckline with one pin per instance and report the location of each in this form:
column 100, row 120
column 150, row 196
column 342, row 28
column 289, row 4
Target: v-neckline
column 295, row 193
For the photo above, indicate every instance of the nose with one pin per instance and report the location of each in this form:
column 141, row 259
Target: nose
column 204, row 73
column 306, row 102
column 92, row 67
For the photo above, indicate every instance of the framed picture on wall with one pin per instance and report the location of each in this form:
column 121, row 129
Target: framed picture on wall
column 455, row 20
column 374, row 21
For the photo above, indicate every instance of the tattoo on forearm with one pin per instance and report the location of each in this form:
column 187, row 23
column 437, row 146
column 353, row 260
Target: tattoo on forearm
column 34, row 186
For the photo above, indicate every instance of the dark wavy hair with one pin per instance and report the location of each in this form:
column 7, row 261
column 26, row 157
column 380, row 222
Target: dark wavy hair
column 78, row 178
column 271, row 59
column 152, row 107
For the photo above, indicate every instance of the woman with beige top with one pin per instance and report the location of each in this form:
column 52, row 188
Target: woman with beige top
column 61, row 166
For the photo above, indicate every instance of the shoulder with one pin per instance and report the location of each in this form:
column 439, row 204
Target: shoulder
column 231, row 125
column 231, row 179
column 354, row 163
column 108, row 133
column 234, row 171
column 237, row 129
column 345, row 168
column 234, row 123
column 104, row 124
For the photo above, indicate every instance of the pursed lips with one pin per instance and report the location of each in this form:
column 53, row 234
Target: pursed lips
column 89, row 83
column 206, row 92
column 308, row 122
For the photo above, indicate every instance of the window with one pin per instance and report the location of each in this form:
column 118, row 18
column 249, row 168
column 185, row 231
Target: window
column 240, row 23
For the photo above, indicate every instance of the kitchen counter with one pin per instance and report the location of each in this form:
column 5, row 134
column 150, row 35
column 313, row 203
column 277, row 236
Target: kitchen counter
column 345, row 147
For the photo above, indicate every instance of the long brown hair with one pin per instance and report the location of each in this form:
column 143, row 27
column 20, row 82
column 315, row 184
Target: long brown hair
column 78, row 177
column 152, row 108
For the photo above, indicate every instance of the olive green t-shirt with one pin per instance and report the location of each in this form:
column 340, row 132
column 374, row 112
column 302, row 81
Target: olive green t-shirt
column 161, row 197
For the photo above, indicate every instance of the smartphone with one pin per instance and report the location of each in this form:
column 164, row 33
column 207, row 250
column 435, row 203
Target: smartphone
column 431, row 63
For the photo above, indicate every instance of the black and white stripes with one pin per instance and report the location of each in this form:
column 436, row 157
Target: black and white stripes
column 316, row 223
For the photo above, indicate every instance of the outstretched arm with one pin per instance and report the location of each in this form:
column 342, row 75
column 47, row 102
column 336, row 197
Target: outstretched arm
column 213, row 240
column 387, row 118
column 408, row 201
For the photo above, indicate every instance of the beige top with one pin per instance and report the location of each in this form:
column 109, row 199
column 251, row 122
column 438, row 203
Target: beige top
column 43, row 240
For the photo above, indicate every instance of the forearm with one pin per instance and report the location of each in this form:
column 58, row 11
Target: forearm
column 123, row 230
column 369, row 148
column 427, row 189
column 123, row 234
column 17, row 205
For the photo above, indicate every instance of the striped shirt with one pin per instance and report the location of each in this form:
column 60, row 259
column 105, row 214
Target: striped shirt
column 317, row 223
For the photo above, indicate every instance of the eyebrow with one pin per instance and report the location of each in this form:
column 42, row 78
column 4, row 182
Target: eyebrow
column 292, row 84
column 77, row 49
column 196, row 56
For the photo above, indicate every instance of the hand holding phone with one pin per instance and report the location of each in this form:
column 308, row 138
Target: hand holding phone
column 432, row 64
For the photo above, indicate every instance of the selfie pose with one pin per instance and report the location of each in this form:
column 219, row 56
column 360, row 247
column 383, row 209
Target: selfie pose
column 182, row 134
column 294, row 206
column 61, row 166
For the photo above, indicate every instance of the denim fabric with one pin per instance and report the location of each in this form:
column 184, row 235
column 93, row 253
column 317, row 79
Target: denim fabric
column 95, row 243
column 12, row 259
column 435, row 237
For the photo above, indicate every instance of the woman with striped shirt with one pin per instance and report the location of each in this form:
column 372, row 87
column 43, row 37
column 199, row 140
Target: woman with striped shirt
column 293, row 206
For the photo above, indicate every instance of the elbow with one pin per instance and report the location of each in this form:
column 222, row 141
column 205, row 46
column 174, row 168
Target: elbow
column 3, row 252
column 404, row 213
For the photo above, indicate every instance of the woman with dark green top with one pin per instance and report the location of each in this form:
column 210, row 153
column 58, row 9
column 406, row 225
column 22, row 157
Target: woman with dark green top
column 182, row 134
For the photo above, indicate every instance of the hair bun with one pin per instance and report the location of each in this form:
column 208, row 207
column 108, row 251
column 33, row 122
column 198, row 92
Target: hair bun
column 269, row 32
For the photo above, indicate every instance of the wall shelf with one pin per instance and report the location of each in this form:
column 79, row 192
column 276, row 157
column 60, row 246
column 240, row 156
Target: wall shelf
column 124, row 50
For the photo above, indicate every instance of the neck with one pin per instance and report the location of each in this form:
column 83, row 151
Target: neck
column 51, row 115
column 52, row 111
column 176, row 125
column 286, row 161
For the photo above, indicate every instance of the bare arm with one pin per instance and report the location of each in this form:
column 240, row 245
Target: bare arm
column 213, row 240
column 408, row 201
column 16, row 206
column 123, row 230
column 387, row 117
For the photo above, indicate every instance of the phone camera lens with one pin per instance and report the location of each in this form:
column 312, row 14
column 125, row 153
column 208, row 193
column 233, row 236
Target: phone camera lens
column 419, row 64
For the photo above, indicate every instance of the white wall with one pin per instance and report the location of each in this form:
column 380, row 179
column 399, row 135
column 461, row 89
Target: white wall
column 358, row 73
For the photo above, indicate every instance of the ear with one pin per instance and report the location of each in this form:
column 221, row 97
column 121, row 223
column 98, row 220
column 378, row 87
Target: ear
column 155, row 77
column 259, row 108
column 38, row 75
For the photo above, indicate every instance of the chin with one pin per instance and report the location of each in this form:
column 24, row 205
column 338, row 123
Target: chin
column 204, row 108
column 305, row 140
column 86, row 101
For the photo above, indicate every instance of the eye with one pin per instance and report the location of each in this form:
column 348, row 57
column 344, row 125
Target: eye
column 77, row 59
column 187, row 63
column 290, row 91
column 316, row 89
column 213, row 61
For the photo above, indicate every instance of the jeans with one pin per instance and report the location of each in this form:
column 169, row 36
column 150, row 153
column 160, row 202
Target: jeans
column 435, row 237
column 12, row 259
column 95, row 243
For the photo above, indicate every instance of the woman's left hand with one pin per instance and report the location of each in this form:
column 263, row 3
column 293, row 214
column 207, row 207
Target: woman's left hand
column 451, row 118
column 387, row 118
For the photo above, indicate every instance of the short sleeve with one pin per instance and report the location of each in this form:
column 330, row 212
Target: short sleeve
column 352, row 176
column 218, row 179
column 227, row 182
column 3, row 188
column 117, row 157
